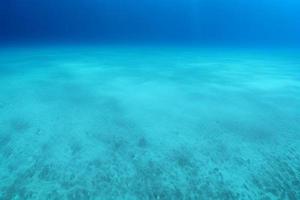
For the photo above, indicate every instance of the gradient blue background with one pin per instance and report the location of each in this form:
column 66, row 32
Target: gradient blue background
column 193, row 21
column 149, row 99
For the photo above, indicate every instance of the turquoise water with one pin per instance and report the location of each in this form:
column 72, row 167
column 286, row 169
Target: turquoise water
column 130, row 122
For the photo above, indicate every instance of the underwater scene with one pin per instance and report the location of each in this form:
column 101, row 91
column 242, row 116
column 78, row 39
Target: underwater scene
column 154, row 100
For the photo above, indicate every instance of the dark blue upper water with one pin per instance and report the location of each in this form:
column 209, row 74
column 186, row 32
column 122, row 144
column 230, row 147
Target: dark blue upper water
column 195, row 21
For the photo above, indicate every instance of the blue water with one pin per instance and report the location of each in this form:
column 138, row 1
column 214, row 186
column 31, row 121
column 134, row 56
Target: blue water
column 111, row 99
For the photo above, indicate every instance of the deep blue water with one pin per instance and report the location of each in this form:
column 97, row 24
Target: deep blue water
column 149, row 99
column 194, row 21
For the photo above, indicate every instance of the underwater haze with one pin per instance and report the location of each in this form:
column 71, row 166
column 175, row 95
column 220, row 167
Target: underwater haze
column 149, row 99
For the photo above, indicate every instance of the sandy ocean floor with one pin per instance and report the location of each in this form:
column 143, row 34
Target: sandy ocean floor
column 149, row 123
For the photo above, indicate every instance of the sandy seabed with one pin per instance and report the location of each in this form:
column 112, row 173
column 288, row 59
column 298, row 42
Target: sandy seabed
column 149, row 123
